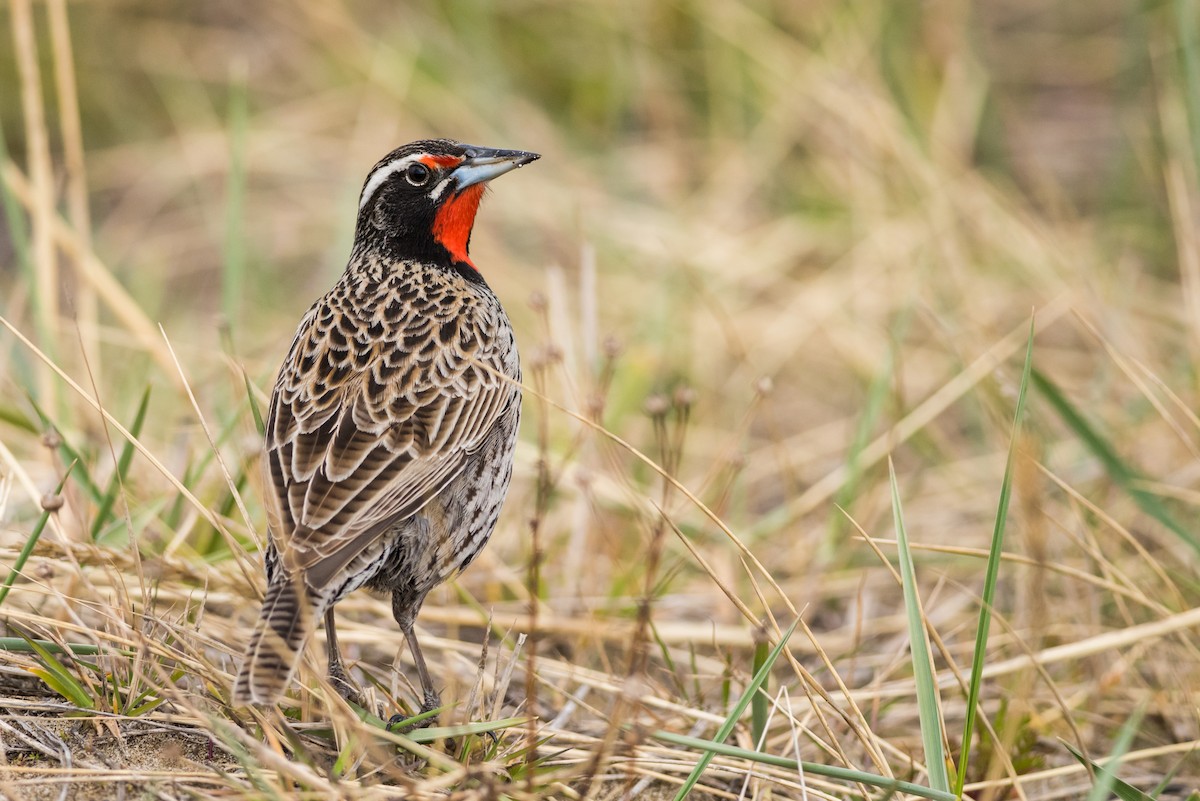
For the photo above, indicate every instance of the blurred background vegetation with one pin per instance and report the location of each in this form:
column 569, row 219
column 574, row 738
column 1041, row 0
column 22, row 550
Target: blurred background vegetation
column 771, row 243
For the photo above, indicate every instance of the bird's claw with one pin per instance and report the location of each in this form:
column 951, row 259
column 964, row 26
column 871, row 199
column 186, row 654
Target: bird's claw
column 432, row 702
column 345, row 688
column 395, row 720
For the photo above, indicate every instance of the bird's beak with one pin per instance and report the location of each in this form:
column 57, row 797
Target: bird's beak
column 482, row 164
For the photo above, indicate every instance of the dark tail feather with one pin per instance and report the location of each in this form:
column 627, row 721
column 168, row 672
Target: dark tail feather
column 275, row 644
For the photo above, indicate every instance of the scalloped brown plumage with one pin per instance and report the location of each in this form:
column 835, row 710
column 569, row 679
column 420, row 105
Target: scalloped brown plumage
column 393, row 421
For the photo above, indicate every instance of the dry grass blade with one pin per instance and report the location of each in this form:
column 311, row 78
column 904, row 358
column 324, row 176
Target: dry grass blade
column 768, row 247
column 183, row 490
column 41, row 196
column 93, row 272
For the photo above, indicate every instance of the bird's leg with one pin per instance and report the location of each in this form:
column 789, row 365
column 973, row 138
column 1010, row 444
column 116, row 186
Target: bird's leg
column 337, row 671
column 405, row 613
column 433, row 698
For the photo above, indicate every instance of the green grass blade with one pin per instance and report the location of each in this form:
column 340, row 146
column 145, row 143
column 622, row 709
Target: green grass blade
column 760, row 703
column 1107, row 782
column 25, row 646
column 927, row 692
column 1121, row 473
column 380, row 723
column 345, row 758
column 664, row 653
column 31, row 541
column 993, row 572
column 258, row 418
column 527, row 768
column 17, row 420
column 56, row 676
column 143, row 703
column 829, row 771
column 432, row 734
column 148, row 706
column 69, row 689
column 103, row 513
column 731, row 719
column 1121, row 789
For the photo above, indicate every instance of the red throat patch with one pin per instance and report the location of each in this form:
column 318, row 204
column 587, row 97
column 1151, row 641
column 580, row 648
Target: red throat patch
column 453, row 222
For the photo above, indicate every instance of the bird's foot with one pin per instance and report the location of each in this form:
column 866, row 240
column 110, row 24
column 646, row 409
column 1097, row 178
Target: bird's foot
column 344, row 687
column 423, row 719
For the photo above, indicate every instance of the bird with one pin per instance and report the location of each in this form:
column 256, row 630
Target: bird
column 393, row 421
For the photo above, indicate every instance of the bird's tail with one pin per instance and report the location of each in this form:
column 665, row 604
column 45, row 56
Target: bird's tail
column 276, row 642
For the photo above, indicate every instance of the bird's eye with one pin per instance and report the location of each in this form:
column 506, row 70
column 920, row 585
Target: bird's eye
column 417, row 174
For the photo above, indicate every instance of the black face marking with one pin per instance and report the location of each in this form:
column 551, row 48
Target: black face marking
column 400, row 200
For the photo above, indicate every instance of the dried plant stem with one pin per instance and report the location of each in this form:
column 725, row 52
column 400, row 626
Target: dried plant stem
column 98, row 276
column 86, row 307
column 37, row 142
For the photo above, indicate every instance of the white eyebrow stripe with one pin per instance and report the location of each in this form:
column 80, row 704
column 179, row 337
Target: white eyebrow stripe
column 382, row 174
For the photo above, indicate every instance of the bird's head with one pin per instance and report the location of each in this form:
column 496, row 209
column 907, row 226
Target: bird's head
column 419, row 201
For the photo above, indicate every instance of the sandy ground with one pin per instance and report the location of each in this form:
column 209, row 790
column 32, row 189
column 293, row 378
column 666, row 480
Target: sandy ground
column 51, row 758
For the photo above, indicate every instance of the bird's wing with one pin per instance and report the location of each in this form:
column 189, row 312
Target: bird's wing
column 365, row 429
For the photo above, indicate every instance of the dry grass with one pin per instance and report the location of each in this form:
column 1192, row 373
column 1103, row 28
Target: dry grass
column 769, row 247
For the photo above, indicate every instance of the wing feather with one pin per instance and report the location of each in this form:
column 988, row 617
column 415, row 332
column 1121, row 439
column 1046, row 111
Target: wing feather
column 358, row 441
